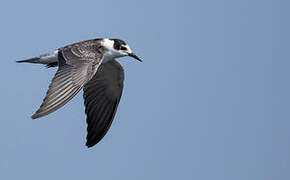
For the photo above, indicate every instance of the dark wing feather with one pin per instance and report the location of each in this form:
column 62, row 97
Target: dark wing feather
column 102, row 95
column 76, row 68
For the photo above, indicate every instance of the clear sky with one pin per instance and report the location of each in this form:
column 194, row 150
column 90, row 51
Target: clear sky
column 209, row 102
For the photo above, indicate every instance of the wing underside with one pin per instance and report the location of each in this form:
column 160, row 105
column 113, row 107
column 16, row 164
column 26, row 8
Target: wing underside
column 102, row 95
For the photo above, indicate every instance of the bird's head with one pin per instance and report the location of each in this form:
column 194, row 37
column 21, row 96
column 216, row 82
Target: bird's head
column 116, row 48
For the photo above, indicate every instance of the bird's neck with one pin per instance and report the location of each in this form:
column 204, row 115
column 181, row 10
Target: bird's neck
column 110, row 55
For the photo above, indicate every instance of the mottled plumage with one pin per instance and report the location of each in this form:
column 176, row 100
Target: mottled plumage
column 90, row 65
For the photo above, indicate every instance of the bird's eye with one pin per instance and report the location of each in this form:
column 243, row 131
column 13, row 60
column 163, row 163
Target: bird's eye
column 117, row 47
column 123, row 48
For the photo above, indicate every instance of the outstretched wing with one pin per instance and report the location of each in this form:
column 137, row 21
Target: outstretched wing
column 102, row 95
column 77, row 65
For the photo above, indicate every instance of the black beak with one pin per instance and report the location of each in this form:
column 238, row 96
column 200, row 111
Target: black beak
column 134, row 56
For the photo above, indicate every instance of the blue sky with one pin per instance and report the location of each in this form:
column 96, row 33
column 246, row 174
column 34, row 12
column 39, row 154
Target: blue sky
column 210, row 101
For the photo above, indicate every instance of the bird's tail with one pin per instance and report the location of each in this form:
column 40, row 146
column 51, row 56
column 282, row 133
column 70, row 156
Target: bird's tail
column 49, row 59
column 31, row 60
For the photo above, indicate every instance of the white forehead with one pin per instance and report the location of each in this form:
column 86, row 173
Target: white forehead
column 128, row 48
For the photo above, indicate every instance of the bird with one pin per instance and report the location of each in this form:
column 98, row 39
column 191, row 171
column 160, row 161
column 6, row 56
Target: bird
column 89, row 65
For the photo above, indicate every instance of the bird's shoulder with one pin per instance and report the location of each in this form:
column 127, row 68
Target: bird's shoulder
column 85, row 50
column 85, row 43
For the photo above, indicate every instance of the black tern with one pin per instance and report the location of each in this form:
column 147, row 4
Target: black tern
column 90, row 65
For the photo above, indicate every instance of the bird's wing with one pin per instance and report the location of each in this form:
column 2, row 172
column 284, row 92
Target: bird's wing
column 102, row 95
column 77, row 65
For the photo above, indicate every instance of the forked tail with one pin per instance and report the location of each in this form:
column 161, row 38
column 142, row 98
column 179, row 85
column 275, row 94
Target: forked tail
column 31, row 60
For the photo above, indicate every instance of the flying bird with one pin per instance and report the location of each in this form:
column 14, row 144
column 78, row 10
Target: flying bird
column 90, row 65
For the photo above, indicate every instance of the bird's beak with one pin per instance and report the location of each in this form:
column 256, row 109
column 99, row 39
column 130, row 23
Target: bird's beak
column 134, row 56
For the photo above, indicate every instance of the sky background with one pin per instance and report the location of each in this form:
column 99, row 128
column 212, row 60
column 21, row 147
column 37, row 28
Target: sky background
column 210, row 101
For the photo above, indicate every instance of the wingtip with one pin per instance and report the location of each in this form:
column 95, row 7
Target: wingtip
column 92, row 142
column 35, row 116
column 89, row 145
